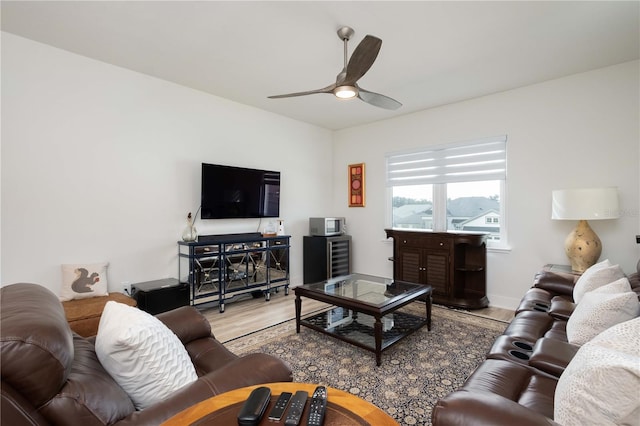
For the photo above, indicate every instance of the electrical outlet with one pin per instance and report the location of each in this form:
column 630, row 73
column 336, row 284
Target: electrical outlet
column 126, row 287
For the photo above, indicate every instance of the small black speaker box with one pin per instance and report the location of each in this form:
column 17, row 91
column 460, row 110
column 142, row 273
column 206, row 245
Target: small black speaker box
column 159, row 296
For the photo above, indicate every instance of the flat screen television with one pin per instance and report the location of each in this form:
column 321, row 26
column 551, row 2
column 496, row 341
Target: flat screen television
column 236, row 192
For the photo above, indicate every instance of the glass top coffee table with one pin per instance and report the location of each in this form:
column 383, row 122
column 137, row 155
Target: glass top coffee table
column 365, row 310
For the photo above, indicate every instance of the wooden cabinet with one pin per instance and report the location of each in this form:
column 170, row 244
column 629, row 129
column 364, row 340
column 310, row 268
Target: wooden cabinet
column 453, row 263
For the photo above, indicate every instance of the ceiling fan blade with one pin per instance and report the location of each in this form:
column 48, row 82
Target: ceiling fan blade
column 328, row 89
column 362, row 58
column 377, row 99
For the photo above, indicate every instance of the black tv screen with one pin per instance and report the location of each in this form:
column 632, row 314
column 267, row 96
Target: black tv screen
column 236, row 192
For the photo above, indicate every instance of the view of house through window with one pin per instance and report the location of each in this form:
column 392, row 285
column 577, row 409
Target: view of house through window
column 442, row 189
column 412, row 206
column 471, row 206
column 474, row 206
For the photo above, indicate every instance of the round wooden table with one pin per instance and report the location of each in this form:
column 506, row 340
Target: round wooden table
column 343, row 408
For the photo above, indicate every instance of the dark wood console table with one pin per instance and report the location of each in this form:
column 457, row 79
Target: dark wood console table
column 452, row 263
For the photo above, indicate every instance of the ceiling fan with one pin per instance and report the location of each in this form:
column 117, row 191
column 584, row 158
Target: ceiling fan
column 346, row 86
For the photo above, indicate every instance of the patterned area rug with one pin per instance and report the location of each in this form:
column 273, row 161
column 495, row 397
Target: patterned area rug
column 414, row 373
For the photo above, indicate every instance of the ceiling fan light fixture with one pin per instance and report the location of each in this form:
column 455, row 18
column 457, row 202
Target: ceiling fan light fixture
column 346, row 86
column 345, row 92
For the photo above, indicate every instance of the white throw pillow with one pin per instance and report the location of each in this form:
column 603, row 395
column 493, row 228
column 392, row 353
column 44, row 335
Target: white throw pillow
column 600, row 309
column 596, row 276
column 618, row 286
column 84, row 281
column 600, row 384
column 142, row 355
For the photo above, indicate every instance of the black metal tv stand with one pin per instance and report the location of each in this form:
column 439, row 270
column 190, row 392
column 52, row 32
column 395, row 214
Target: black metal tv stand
column 220, row 267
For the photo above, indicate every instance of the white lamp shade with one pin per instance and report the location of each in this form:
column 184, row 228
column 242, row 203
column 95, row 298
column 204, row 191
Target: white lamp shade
column 585, row 204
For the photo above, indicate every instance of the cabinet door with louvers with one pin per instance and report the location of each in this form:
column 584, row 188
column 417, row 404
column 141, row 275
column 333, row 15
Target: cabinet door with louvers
column 437, row 271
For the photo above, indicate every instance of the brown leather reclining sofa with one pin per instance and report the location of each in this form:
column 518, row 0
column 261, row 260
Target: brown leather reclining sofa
column 516, row 384
column 51, row 375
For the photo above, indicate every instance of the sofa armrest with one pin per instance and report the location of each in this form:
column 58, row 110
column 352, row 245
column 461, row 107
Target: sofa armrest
column 554, row 282
column 16, row 410
column 552, row 356
column 252, row 369
column 187, row 323
column 208, row 354
column 484, row 409
column 561, row 308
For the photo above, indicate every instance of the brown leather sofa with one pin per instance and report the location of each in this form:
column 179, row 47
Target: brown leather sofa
column 51, row 375
column 516, row 383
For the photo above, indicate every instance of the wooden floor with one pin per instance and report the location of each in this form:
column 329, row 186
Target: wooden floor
column 247, row 315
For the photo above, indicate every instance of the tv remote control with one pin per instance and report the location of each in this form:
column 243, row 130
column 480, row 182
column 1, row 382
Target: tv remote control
column 318, row 407
column 278, row 409
column 253, row 408
column 296, row 407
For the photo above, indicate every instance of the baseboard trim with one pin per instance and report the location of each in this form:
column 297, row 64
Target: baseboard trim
column 496, row 301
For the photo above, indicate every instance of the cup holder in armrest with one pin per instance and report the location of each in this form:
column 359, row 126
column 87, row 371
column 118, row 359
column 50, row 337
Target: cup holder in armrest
column 541, row 306
column 522, row 345
column 519, row 355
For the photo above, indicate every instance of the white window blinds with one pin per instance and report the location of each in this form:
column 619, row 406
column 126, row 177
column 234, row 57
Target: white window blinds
column 482, row 159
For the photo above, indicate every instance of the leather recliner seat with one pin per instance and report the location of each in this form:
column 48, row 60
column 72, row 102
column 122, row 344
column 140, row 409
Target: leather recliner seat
column 51, row 375
column 516, row 383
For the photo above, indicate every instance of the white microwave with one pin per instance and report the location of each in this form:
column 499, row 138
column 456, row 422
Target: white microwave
column 326, row 226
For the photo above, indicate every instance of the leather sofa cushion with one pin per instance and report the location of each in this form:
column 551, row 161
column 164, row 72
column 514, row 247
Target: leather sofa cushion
column 186, row 323
column 541, row 300
column 36, row 343
column 207, row 354
column 484, row 409
column 552, row 356
column 90, row 394
column 516, row 383
column 558, row 331
column 244, row 371
column 561, row 308
column 556, row 283
column 529, row 325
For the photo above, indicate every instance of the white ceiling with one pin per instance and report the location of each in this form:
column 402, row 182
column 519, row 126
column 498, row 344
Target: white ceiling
column 433, row 53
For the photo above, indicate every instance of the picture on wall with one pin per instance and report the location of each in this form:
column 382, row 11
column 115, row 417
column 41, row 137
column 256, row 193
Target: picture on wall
column 356, row 185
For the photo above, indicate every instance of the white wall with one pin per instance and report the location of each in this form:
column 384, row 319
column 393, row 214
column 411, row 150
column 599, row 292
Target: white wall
column 578, row 131
column 103, row 164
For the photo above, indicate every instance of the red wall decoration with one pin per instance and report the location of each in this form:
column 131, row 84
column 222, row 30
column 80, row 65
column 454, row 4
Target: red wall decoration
column 356, row 185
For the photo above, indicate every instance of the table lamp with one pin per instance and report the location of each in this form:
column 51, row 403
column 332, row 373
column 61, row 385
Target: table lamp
column 583, row 247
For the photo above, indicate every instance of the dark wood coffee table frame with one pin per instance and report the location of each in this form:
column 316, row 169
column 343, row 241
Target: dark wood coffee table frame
column 377, row 311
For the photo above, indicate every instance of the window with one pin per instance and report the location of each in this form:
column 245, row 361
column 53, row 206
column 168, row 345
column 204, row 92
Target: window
column 454, row 187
